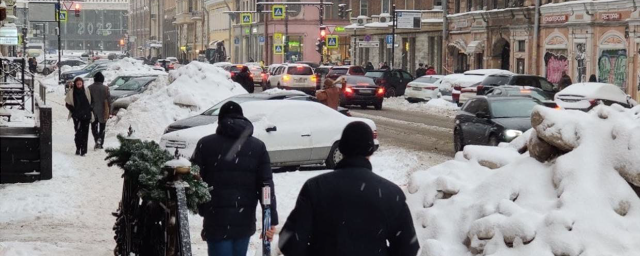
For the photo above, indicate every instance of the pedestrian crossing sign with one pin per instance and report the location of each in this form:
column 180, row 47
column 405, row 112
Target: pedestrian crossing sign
column 278, row 12
column 332, row 42
column 62, row 16
column 277, row 37
column 245, row 18
column 278, row 49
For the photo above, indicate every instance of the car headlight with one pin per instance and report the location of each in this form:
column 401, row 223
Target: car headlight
column 512, row 134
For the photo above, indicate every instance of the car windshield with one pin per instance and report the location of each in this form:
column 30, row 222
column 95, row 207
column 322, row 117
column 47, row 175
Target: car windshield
column 359, row 80
column 374, row 74
column 496, row 80
column 134, row 84
column 428, row 80
column 90, row 67
column 213, row 111
column 118, row 81
column 533, row 93
column 505, row 108
column 300, row 71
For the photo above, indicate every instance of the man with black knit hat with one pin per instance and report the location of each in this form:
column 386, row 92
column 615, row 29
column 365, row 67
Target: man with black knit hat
column 236, row 166
column 100, row 102
column 350, row 211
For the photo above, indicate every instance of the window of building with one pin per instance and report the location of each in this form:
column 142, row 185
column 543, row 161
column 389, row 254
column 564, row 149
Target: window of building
column 521, row 46
column 495, row 4
column 437, row 3
column 364, row 7
column 469, row 4
column 456, row 8
column 386, row 6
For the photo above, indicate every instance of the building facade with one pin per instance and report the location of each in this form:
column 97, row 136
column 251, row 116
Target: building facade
column 219, row 23
column 582, row 39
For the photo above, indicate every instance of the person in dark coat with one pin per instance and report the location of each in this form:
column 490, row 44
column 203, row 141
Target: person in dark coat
column 369, row 67
column 350, row 211
column 235, row 166
column 421, row 71
column 78, row 101
column 101, row 103
column 33, row 64
column 565, row 81
column 244, row 78
column 384, row 66
column 593, row 79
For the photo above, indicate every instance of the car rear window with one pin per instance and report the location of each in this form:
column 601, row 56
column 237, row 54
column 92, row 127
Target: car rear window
column 374, row 74
column 360, row 80
column 234, row 68
column 337, row 71
column 299, row 71
column 358, row 71
column 495, row 80
column 533, row 93
column 512, row 108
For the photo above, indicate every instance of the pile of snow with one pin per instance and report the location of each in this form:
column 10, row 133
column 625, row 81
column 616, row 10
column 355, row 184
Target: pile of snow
column 129, row 66
column 274, row 91
column 435, row 106
column 194, row 88
column 578, row 203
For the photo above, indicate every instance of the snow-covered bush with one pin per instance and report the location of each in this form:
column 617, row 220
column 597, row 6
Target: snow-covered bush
column 578, row 201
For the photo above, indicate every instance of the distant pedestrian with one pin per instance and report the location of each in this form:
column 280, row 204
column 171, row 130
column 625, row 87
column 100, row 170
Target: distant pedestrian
column 78, row 101
column 33, row 64
column 369, row 67
column 100, row 101
column 384, row 66
column 565, row 81
column 236, row 166
column 330, row 95
column 421, row 71
column 593, row 79
column 244, row 79
column 430, row 71
column 352, row 210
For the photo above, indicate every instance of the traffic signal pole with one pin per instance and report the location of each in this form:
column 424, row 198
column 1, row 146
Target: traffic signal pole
column 59, row 43
column 393, row 35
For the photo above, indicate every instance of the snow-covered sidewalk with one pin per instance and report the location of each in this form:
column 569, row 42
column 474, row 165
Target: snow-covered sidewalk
column 71, row 214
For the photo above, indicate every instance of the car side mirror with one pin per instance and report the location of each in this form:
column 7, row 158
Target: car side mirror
column 272, row 128
column 482, row 115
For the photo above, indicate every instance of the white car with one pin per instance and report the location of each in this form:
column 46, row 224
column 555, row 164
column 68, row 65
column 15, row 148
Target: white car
column 294, row 132
column 466, row 91
column 424, row 88
column 256, row 71
column 585, row 96
column 294, row 77
column 48, row 68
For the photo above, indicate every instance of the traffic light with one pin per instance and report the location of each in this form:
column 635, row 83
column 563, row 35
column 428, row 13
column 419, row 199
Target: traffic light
column 77, row 10
column 121, row 42
column 342, row 10
column 323, row 33
column 319, row 45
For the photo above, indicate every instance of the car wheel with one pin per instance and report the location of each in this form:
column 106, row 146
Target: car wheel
column 378, row 106
column 458, row 142
column 391, row 92
column 493, row 140
column 46, row 71
column 334, row 156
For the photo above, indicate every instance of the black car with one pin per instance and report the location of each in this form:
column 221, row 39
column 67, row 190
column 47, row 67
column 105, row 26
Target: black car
column 67, row 77
column 362, row 91
column 492, row 81
column 210, row 116
column 536, row 94
column 394, row 81
column 489, row 120
column 339, row 71
column 120, row 80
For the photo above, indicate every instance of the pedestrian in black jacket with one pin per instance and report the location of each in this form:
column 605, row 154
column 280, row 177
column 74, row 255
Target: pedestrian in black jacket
column 244, row 78
column 236, row 166
column 78, row 101
column 350, row 211
column 565, row 81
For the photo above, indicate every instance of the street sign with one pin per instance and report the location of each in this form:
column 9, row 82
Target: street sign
column 255, row 30
column 278, row 12
column 332, row 42
column 339, row 29
column 236, row 40
column 67, row 7
column 367, row 38
column 246, row 31
column 277, row 38
column 261, row 39
column 278, row 49
column 409, row 20
column 62, row 16
column 364, row 44
column 389, row 39
column 245, row 19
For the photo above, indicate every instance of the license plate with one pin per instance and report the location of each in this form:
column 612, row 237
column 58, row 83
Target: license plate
column 417, row 89
column 300, row 80
column 368, row 92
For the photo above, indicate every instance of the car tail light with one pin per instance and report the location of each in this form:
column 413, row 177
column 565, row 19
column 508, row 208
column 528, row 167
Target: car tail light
column 557, row 107
column 380, row 91
column 375, row 134
column 409, row 86
column 231, row 74
column 251, row 75
column 479, row 88
column 431, row 88
column 348, row 90
column 314, row 78
column 525, row 91
column 263, row 75
column 457, row 88
column 171, row 66
column 593, row 102
column 286, row 78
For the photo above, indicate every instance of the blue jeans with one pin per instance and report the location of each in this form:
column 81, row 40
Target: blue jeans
column 229, row 247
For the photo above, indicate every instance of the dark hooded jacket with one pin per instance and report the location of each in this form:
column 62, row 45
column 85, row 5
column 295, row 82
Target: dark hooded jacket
column 349, row 212
column 235, row 165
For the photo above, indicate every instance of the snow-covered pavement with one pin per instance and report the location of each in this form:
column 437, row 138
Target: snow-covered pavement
column 71, row 214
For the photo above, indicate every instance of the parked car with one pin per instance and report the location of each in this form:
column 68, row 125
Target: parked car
column 585, row 96
column 339, row 71
column 289, row 129
column 71, row 63
column 210, row 115
column 294, row 77
column 67, row 77
column 362, row 91
column 424, row 88
column 132, row 87
column 120, row 80
column 489, row 120
column 465, row 91
column 47, row 68
column 84, row 57
column 394, row 81
column 536, row 94
column 516, row 79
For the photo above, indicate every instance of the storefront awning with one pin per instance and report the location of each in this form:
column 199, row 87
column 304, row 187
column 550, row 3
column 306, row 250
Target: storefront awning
column 475, row 47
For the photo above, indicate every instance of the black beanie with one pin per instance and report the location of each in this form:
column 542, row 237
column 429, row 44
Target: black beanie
column 98, row 77
column 230, row 108
column 357, row 140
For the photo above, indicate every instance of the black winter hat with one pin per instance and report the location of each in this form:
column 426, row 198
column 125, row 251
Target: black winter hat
column 98, row 77
column 357, row 140
column 230, row 108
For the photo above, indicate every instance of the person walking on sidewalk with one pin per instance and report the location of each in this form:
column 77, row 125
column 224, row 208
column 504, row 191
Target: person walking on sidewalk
column 421, row 71
column 235, row 166
column 330, row 95
column 100, row 101
column 350, row 211
column 78, row 101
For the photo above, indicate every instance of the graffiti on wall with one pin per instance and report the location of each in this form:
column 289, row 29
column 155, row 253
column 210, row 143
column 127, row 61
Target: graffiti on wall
column 612, row 67
column 555, row 62
column 581, row 58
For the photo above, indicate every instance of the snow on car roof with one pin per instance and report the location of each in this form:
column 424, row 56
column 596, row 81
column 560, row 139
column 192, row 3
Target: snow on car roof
column 484, row 72
column 462, row 79
column 595, row 91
